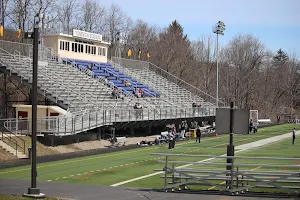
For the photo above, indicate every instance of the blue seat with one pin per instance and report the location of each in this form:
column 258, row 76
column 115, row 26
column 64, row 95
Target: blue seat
column 119, row 84
column 113, row 74
column 101, row 74
column 116, row 81
column 98, row 71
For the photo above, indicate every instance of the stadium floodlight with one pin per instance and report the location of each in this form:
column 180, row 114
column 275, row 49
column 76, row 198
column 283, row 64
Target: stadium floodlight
column 33, row 191
column 218, row 29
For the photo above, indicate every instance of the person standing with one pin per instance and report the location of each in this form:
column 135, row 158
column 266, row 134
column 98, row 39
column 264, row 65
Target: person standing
column 170, row 137
column 198, row 134
column 174, row 135
column 294, row 135
column 278, row 119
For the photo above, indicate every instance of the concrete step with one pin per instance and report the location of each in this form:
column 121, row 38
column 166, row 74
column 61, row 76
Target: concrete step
column 11, row 150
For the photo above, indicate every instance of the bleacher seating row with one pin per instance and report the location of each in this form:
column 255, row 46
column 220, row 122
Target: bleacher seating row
column 114, row 76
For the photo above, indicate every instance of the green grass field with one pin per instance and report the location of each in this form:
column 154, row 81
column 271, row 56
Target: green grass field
column 112, row 168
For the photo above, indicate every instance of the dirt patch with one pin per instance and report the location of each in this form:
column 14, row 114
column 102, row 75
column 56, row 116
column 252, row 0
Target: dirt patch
column 4, row 155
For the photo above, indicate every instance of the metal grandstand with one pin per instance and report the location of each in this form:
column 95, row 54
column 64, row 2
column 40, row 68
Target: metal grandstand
column 88, row 99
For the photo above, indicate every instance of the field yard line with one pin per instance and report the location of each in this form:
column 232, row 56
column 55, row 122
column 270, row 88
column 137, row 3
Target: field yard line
column 74, row 161
column 156, row 173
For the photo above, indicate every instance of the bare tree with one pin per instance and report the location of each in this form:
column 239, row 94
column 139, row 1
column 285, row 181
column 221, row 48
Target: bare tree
column 203, row 50
column 93, row 16
column 68, row 14
column 20, row 12
column 142, row 36
column 4, row 12
column 115, row 25
column 245, row 53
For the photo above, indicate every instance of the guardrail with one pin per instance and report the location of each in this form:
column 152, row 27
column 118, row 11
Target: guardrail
column 9, row 139
column 72, row 124
column 239, row 176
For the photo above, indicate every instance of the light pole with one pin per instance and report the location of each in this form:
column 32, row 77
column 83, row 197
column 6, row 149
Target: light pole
column 218, row 29
column 33, row 191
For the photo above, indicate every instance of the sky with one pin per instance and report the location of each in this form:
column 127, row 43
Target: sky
column 275, row 22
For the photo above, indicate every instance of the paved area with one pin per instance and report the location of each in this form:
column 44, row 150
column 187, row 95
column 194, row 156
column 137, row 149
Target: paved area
column 266, row 141
column 88, row 192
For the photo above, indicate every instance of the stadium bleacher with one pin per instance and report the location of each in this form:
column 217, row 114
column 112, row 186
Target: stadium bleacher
column 115, row 77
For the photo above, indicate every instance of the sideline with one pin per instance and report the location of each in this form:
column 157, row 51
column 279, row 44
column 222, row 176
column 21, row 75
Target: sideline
column 244, row 148
column 102, row 156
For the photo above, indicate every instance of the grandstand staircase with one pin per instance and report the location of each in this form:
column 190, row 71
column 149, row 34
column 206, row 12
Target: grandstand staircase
column 12, row 151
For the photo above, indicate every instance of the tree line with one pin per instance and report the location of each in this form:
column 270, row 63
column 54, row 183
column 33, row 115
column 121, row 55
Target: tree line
column 251, row 76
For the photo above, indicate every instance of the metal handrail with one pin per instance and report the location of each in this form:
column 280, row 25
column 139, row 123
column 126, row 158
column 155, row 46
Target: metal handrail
column 73, row 124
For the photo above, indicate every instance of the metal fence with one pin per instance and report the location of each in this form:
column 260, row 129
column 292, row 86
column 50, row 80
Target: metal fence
column 26, row 50
column 244, row 174
column 72, row 124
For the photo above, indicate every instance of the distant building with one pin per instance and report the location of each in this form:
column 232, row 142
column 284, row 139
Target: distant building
column 81, row 45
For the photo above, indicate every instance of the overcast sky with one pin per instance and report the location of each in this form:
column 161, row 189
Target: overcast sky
column 275, row 22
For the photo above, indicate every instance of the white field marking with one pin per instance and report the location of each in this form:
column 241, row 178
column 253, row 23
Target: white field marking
column 126, row 164
column 98, row 170
column 91, row 171
column 57, row 179
column 146, row 160
column 121, row 165
column 103, row 169
column 156, row 173
column 105, row 156
column 49, row 180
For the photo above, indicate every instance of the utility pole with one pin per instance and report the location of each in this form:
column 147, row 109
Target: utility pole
column 218, row 29
column 33, row 191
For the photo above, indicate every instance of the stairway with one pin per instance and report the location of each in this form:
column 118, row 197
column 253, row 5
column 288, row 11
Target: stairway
column 12, row 151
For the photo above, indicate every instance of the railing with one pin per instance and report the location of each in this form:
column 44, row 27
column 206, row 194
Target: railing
column 243, row 174
column 73, row 124
column 25, row 49
column 136, row 64
column 10, row 140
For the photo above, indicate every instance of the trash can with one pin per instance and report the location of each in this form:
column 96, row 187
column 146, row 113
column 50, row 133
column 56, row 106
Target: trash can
column 29, row 153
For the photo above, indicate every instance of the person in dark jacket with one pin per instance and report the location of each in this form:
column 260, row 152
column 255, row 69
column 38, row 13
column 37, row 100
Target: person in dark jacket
column 198, row 134
column 294, row 135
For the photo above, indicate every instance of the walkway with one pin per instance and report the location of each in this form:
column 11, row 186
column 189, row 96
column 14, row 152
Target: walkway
column 84, row 192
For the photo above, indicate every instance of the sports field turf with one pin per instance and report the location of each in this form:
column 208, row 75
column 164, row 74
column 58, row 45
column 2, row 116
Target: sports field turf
column 112, row 168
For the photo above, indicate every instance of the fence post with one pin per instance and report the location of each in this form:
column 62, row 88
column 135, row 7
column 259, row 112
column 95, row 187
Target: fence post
column 237, row 176
column 89, row 121
column 166, row 173
column 65, row 126
column 97, row 119
column 173, row 174
column 81, row 123
column 231, row 174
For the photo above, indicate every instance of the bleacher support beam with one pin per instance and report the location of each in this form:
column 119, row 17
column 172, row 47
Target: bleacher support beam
column 132, row 131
